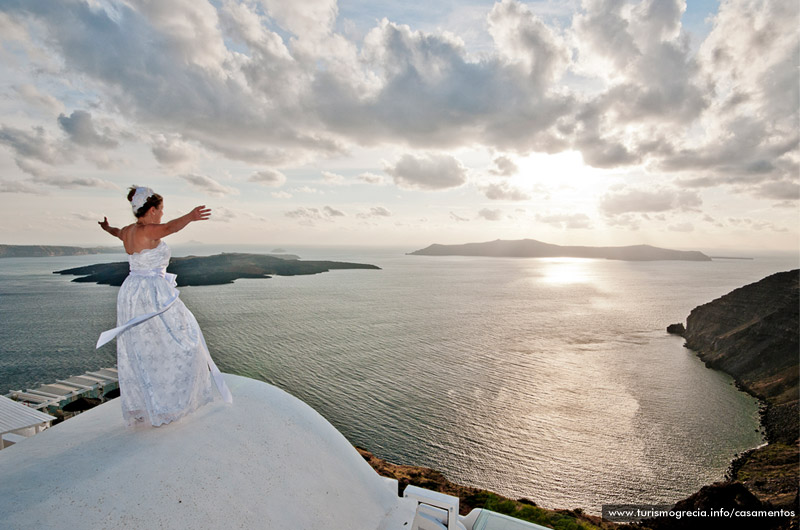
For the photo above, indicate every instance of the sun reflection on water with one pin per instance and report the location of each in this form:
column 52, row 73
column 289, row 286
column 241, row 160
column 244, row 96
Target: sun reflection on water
column 566, row 271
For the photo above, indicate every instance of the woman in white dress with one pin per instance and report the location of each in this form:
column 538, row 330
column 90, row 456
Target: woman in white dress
column 165, row 369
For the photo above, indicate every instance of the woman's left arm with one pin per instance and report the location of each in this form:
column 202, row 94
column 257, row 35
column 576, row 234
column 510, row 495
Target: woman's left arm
column 116, row 232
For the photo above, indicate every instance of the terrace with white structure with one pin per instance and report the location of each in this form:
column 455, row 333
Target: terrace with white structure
column 266, row 461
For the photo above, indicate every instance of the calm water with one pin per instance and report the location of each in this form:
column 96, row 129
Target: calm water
column 547, row 379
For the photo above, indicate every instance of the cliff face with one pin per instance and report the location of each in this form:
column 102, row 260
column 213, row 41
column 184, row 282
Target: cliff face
column 752, row 334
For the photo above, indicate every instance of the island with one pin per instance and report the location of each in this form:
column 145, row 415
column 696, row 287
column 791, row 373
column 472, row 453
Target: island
column 530, row 248
column 46, row 251
column 214, row 270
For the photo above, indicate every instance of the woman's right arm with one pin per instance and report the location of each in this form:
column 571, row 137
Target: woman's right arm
column 116, row 232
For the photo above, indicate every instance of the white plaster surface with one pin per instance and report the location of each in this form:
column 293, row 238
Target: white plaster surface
column 266, row 461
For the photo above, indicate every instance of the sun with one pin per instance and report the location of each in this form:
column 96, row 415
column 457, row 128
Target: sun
column 564, row 177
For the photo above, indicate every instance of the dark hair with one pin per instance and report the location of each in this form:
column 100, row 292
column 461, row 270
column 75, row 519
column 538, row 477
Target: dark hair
column 153, row 201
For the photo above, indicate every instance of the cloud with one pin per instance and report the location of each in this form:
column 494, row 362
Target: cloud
column 70, row 183
column 80, row 128
column 18, row 186
column 223, row 215
column 783, row 190
column 310, row 216
column 628, row 201
column 37, row 99
column 503, row 192
column 170, row 151
column 269, row 177
column 306, row 189
column 638, row 90
column 36, row 145
column 522, row 39
column 431, row 172
column 208, row 185
column 490, row 215
column 504, row 167
column 566, row 221
column 305, row 214
column 332, row 178
column 281, row 195
column 372, row 178
column 458, row 218
column 682, row 227
column 375, row 211
column 332, row 212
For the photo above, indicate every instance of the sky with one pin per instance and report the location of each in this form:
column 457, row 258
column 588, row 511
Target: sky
column 366, row 122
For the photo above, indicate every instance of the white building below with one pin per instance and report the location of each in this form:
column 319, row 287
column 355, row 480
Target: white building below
column 18, row 422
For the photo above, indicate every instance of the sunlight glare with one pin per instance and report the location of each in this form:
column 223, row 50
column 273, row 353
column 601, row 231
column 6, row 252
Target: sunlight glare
column 566, row 271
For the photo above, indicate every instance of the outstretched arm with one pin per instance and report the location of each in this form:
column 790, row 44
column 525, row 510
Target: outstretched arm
column 200, row 213
column 116, row 232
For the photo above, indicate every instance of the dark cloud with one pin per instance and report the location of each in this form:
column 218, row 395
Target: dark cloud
column 81, row 130
column 432, row 172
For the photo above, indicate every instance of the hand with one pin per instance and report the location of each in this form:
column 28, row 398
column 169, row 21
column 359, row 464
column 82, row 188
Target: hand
column 201, row 213
column 104, row 224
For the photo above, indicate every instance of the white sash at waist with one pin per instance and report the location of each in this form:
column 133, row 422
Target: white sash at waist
column 111, row 334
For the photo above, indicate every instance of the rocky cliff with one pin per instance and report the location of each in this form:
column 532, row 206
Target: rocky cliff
column 752, row 334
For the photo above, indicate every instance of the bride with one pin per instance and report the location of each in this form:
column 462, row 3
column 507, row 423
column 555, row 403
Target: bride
column 165, row 369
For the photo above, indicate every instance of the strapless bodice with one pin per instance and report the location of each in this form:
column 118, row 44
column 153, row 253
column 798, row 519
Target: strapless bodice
column 151, row 258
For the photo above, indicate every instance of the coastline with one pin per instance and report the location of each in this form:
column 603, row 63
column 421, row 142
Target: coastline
column 751, row 334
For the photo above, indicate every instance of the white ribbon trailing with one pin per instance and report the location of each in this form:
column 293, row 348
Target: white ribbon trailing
column 111, row 334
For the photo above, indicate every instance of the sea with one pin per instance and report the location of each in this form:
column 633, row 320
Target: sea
column 552, row 380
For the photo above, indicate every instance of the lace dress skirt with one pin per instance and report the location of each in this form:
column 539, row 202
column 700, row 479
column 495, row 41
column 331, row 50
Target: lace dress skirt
column 165, row 370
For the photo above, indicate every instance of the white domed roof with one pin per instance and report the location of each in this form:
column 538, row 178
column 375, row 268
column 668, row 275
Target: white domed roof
column 267, row 461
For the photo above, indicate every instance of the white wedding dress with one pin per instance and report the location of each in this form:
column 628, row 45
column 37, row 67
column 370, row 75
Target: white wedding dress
column 165, row 369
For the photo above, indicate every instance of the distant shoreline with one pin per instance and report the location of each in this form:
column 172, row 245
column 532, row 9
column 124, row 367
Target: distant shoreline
column 50, row 251
column 530, row 248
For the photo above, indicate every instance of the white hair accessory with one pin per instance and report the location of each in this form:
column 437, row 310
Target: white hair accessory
column 140, row 197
